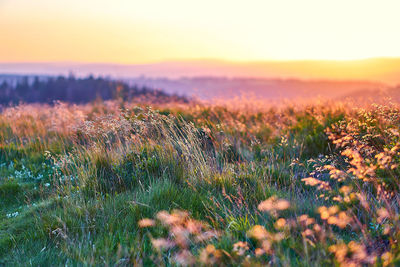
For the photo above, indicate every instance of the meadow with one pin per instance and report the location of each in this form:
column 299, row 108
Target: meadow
column 121, row 184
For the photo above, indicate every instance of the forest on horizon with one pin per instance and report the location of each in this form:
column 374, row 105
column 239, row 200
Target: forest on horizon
column 76, row 90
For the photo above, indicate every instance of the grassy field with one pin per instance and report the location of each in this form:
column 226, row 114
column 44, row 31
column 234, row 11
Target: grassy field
column 119, row 185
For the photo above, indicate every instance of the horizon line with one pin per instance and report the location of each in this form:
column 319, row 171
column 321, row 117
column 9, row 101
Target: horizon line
column 194, row 60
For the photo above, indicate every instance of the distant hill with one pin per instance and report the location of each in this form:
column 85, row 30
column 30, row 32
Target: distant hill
column 385, row 70
column 207, row 88
column 204, row 88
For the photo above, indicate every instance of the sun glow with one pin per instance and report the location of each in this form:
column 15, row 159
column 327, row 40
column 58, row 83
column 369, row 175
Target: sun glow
column 134, row 31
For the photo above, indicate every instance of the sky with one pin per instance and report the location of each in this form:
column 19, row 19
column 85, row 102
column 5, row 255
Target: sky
column 148, row 31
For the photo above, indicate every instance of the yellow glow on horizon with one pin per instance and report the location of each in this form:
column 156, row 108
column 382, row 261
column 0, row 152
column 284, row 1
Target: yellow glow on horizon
column 132, row 31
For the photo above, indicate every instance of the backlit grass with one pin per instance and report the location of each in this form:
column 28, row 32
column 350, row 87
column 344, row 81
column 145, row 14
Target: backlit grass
column 199, row 184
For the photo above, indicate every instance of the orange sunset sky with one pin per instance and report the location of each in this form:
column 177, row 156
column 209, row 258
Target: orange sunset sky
column 138, row 32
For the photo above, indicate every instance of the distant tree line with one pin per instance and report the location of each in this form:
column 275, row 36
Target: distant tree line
column 77, row 90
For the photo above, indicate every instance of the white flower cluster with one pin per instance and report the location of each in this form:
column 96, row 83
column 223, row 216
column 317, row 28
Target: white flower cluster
column 12, row 215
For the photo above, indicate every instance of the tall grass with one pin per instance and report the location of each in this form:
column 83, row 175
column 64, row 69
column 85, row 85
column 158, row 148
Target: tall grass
column 120, row 184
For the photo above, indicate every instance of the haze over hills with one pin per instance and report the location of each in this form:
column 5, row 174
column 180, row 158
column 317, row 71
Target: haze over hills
column 209, row 88
column 385, row 70
column 208, row 79
column 212, row 88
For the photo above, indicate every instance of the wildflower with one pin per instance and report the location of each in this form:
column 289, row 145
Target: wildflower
column 210, row 255
column 284, row 141
column 387, row 258
column 345, row 189
column 340, row 251
column 382, row 215
column 280, row 223
column 146, row 223
column 386, row 230
column 323, row 211
column 240, row 248
column 337, row 198
column 185, row 258
column 332, row 220
column 193, row 226
column 181, row 235
column 322, row 185
column 359, row 253
column 305, row 220
column 282, row 204
column 259, row 252
column 278, row 237
column 162, row 243
column 258, row 232
column 333, row 210
column 307, row 232
column 341, row 220
column 170, row 219
column 12, row 215
column 272, row 205
column 267, row 246
column 363, row 200
column 317, row 228
column 207, row 235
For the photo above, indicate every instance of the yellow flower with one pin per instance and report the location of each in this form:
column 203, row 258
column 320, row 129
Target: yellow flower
column 387, row 258
column 146, row 223
column 324, row 215
column 273, row 205
column 259, row 252
column 258, row 232
column 333, row 210
column 280, row 223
